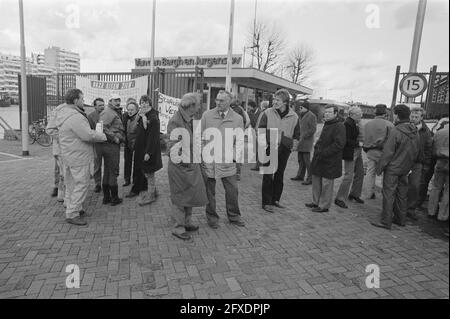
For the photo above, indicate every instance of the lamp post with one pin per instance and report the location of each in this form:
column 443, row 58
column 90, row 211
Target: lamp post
column 152, row 52
column 416, row 41
column 230, row 50
column 23, row 84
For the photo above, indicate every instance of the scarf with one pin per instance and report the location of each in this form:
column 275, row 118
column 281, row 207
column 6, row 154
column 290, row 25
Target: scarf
column 142, row 113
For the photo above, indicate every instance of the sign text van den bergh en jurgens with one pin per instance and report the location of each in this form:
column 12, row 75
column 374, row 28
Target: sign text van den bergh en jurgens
column 190, row 62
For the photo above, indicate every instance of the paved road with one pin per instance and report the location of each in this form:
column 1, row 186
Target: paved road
column 128, row 251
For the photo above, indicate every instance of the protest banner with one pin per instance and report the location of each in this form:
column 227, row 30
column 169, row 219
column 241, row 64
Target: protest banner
column 93, row 89
column 167, row 106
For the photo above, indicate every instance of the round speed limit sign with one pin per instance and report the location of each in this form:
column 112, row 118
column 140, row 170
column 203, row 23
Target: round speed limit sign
column 413, row 85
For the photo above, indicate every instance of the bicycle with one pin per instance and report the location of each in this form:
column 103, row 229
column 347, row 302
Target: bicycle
column 37, row 133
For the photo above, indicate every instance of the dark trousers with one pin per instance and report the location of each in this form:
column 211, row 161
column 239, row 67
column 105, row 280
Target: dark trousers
column 97, row 166
column 414, row 180
column 111, row 155
column 395, row 199
column 358, row 177
column 231, row 199
column 427, row 175
column 272, row 186
column 304, row 164
column 140, row 182
column 128, row 163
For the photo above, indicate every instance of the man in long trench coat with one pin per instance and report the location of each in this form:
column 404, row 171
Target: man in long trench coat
column 187, row 188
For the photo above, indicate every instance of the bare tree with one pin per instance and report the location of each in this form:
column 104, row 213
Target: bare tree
column 299, row 63
column 268, row 44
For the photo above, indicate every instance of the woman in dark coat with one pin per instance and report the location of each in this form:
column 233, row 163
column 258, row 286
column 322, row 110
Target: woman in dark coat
column 326, row 165
column 130, row 119
column 147, row 151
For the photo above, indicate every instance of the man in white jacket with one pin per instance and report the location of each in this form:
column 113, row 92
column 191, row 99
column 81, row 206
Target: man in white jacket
column 76, row 140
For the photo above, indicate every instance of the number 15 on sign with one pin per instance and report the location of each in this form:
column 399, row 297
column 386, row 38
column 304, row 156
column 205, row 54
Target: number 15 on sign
column 413, row 85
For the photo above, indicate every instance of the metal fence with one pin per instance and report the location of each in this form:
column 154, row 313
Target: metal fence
column 170, row 82
column 435, row 99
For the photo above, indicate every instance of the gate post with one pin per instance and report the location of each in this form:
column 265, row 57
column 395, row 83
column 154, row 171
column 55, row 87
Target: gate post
column 431, row 80
column 394, row 95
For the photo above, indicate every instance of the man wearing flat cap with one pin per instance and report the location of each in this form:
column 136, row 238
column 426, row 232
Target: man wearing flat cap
column 110, row 150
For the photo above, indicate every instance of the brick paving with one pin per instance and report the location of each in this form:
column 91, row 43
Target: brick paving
column 128, row 251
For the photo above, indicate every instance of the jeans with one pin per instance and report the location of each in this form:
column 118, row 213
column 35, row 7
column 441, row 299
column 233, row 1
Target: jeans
column 97, row 166
column 322, row 191
column 272, row 186
column 440, row 183
column 395, row 197
column 231, row 199
column 111, row 154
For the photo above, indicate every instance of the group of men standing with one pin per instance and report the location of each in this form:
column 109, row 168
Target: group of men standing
column 403, row 151
column 83, row 142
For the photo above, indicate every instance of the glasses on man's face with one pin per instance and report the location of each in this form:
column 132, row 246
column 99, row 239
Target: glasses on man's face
column 220, row 101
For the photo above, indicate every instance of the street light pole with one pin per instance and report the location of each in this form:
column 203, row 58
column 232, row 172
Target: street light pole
column 417, row 36
column 23, row 84
column 254, row 31
column 230, row 50
column 152, row 52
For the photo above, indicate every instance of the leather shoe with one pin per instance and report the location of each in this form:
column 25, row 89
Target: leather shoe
column 373, row 196
column 239, row 223
column 256, row 169
column 213, row 225
column 356, row 199
column 83, row 214
column 311, row 205
column 413, row 216
column 116, row 201
column 131, row 195
column 78, row 221
column 268, row 208
column 396, row 222
column 191, row 228
column 277, row 204
column 307, row 183
column 183, row 236
column 340, row 203
column 320, row 210
column 126, row 183
column 297, row 178
column 380, row 225
column 97, row 189
column 54, row 192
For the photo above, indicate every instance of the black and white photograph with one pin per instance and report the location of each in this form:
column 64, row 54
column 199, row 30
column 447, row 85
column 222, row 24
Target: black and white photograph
column 233, row 156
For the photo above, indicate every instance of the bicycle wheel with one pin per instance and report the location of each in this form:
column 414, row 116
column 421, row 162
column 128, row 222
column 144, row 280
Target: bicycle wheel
column 32, row 133
column 44, row 139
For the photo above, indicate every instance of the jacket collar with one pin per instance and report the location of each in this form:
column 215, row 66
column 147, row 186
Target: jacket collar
column 184, row 115
column 230, row 113
column 402, row 122
column 289, row 114
column 333, row 121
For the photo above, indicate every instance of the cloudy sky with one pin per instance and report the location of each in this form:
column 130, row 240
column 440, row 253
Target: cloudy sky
column 351, row 60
